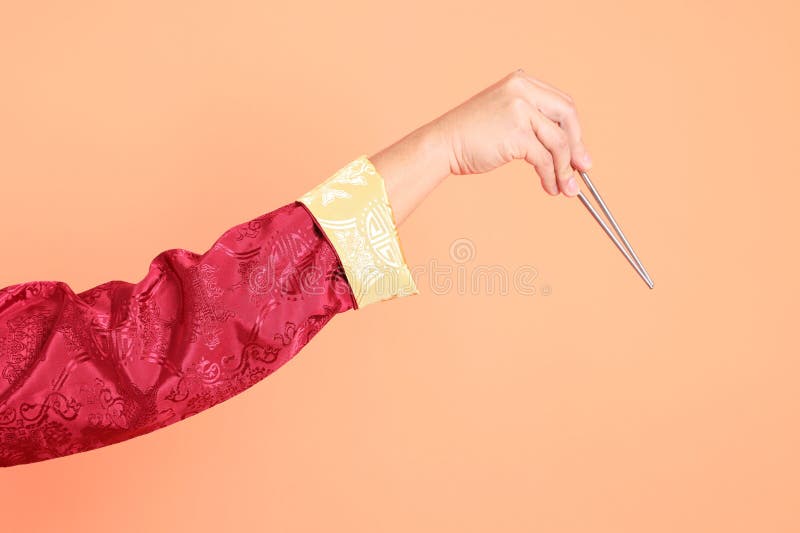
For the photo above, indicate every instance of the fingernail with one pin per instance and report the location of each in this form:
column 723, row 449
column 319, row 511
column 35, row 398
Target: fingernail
column 572, row 185
column 587, row 160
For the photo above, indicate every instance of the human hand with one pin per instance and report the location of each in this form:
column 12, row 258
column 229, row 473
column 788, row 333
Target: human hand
column 517, row 117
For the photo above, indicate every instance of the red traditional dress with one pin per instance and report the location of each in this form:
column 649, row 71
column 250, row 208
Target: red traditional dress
column 81, row 371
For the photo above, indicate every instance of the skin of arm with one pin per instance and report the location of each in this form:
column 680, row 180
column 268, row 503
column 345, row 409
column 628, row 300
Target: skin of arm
column 517, row 117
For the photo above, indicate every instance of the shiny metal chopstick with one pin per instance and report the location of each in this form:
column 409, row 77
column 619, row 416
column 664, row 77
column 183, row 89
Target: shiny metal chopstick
column 627, row 251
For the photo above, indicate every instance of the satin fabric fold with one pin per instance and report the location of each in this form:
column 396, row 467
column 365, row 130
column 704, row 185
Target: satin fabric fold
column 81, row 371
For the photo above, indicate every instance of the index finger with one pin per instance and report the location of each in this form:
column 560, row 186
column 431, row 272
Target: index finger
column 558, row 107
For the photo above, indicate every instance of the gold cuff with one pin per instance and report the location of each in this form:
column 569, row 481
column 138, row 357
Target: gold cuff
column 353, row 209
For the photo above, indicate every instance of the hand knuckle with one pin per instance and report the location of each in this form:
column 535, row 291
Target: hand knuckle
column 515, row 83
column 519, row 108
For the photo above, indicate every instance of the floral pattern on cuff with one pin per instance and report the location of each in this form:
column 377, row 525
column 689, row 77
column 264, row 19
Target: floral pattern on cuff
column 353, row 209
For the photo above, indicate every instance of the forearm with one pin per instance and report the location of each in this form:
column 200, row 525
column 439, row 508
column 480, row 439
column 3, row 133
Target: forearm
column 412, row 167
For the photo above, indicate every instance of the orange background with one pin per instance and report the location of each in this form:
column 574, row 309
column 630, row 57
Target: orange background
column 128, row 128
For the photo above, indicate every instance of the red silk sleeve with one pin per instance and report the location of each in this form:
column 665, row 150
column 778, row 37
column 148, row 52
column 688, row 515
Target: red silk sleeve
column 81, row 371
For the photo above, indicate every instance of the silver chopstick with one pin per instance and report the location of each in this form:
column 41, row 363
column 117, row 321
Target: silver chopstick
column 635, row 263
column 617, row 228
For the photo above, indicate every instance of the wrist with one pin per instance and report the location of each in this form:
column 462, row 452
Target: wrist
column 412, row 167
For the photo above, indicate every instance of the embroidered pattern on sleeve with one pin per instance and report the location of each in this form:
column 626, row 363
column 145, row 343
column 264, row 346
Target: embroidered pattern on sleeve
column 353, row 209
